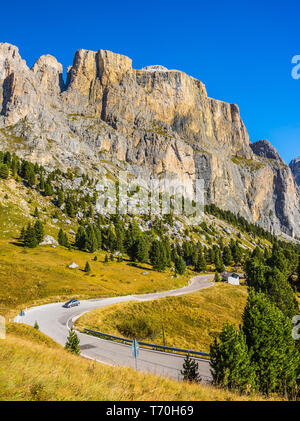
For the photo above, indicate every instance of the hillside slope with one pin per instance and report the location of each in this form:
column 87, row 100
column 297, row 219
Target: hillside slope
column 34, row 369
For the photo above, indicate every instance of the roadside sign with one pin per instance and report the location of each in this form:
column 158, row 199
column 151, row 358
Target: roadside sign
column 135, row 348
column 22, row 313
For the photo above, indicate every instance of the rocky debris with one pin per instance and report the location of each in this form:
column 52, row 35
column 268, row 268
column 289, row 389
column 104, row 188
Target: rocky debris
column 73, row 266
column 295, row 167
column 49, row 240
column 110, row 116
column 155, row 68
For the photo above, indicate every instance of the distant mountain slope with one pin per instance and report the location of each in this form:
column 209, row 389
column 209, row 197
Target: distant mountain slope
column 295, row 167
column 109, row 116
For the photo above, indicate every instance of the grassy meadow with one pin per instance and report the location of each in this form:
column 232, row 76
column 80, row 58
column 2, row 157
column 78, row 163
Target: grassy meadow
column 35, row 368
column 190, row 321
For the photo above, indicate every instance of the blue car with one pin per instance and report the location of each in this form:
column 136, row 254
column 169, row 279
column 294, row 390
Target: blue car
column 71, row 303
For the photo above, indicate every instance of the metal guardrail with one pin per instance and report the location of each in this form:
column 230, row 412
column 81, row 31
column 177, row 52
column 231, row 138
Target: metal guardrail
column 146, row 344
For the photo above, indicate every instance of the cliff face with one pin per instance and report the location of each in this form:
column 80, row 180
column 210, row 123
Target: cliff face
column 295, row 167
column 109, row 116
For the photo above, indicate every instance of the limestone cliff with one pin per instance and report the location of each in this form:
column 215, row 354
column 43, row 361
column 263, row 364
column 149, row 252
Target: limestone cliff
column 109, row 116
column 295, row 167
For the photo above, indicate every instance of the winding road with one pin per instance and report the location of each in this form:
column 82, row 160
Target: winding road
column 55, row 321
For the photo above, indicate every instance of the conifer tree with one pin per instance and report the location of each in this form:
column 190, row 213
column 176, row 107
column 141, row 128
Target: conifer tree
column 60, row 198
column 36, row 213
column 180, row 266
column 39, row 231
column 36, row 326
column 190, row 370
column 72, row 343
column 87, row 268
column 48, row 188
column 157, row 256
column 4, row 171
column 91, row 240
column 219, row 261
column 227, row 256
column 142, row 254
column 271, row 345
column 201, row 263
column 63, row 238
column 230, row 361
column 217, row 277
column 30, row 239
column 42, row 182
column 81, row 238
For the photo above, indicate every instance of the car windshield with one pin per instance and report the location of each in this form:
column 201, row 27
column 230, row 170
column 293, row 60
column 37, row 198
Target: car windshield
column 69, row 302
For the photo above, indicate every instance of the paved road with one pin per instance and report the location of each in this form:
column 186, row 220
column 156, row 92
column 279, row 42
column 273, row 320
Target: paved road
column 54, row 321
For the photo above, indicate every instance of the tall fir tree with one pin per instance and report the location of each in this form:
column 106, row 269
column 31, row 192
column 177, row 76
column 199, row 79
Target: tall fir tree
column 230, row 361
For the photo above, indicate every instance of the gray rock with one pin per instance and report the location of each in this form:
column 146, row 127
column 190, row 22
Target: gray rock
column 48, row 240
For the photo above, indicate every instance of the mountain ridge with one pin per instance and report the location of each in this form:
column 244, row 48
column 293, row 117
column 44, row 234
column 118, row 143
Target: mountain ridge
column 109, row 116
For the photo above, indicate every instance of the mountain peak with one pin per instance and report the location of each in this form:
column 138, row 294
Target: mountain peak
column 295, row 167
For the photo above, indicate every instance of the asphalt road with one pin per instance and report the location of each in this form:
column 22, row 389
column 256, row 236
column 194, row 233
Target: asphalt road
column 54, row 321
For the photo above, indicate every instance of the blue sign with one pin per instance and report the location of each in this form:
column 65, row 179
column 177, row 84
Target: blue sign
column 135, row 348
column 22, row 313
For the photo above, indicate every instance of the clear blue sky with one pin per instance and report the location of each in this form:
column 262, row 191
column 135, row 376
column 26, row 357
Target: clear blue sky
column 241, row 50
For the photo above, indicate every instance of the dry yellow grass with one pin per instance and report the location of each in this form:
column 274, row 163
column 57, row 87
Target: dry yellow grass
column 36, row 276
column 31, row 370
column 190, row 321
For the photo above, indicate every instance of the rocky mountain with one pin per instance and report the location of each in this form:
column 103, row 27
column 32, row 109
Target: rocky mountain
column 295, row 167
column 108, row 116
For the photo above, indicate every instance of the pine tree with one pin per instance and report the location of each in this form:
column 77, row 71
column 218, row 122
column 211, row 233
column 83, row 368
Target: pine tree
column 190, row 370
column 36, row 326
column 217, row 277
column 30, row 239
column 201, row 263
column 22, row 233
column 142, row 254
column 219, row 262
column 106, row 258
column 48, row 188
column 39, row 231
column 81, row 238
column 31, row 179
column 36, row 213
column 91, row 240
column 157, row 256
column 87, row 268
column 60, row 198
column 230, row 361
column 271, row 345
column 180, row 266
column 42, row 182
column 63, row 239
column 227, row 256
column 72, row 343
column 4, row 171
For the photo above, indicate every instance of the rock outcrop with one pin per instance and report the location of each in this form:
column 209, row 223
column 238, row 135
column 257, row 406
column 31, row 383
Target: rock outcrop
column 109, row 116
column 295, row 167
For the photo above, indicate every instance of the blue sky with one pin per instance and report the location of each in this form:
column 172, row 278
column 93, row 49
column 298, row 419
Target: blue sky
column 241, row 50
